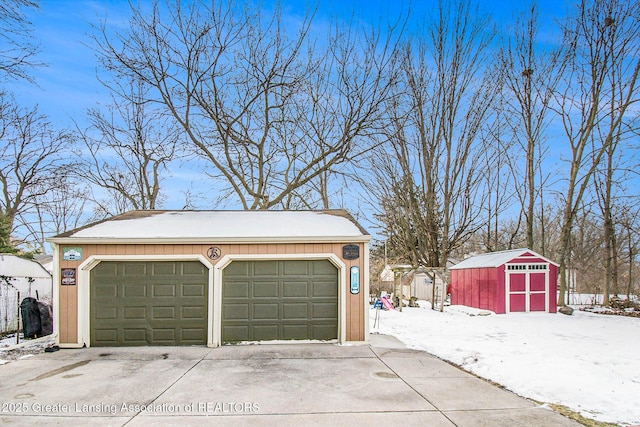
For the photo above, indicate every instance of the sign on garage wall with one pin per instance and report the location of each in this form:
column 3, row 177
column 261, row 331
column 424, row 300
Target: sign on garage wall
column 68, row 276
column 72, row 254
column 350, row 252
column 355, row 279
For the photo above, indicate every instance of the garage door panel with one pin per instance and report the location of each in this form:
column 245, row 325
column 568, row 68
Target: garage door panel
column 134, row 290
column 197, row 312
column 323, row 289
column 193, row 290
column 264, row 269
column 235, row 289
column 295, row 332
column 105, row 335
column 281, row 309
column 325, row 311
column 295, row 289
column 193, row 336
column 265, row 311
column 237, row 269
column 324, row 267
column 166, row 335
column 192, row 269
column 235, row 333
column 263, row 333
column 163, row 290
column 235, row 311
column 163, row 313
column 163, row 268
column 107, row 290
column 105, row 270
column 265, row 289
column 295, row 268
column 135, row 313
column 151, row 309
column 135, row 335
column 106, row 313
column 137, row 269
column 297, row 311
column 323, row 332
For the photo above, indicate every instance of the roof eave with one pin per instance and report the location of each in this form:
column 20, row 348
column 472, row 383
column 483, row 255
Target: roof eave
column 208, row 240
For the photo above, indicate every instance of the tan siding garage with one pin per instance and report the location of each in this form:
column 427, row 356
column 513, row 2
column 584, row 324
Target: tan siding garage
column 261, row 276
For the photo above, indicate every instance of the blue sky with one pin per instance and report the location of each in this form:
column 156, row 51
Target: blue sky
column 68, row 85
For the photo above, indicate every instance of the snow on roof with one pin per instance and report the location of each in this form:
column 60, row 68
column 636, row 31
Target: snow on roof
column 494, row 259
column 222, row 225
column 14, row 266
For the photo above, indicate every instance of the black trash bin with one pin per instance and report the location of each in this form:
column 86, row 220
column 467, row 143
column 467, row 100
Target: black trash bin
column 30, row 312
column 46, row 318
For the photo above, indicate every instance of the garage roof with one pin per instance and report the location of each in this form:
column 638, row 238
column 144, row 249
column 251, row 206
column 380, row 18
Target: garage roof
column 221, row 226
column 496, row 259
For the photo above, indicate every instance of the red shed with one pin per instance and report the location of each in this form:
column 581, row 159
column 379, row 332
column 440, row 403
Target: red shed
column 518, row 280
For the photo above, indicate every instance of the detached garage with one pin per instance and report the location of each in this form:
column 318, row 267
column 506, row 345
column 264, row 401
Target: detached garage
column 212, row 278
column 505, row 282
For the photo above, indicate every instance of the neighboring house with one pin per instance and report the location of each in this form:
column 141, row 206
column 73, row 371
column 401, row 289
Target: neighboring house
column 20, row 278
column 212, row 277
column 418, row 283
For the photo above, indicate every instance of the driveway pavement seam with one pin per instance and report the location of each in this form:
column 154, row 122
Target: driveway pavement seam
column 410, row 386
column 169, row 386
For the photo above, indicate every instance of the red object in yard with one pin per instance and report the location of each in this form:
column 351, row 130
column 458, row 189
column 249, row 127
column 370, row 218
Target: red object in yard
column 505, row 282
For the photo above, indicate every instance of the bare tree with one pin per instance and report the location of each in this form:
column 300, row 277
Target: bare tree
column 31, row 160
column 599, row 87
column 431, row 177
column 17, row 50
column 530, row 75
column 266, row 104
column 62, row 208
column 629, row 219
column 128, row 149
column 615, row 131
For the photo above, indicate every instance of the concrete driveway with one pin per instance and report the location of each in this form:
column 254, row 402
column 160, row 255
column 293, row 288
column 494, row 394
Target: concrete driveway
column 302, row 384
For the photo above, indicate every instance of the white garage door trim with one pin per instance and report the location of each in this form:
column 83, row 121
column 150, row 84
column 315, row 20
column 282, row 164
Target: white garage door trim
column 228, row 259
column 215, row 288
column 84, row 284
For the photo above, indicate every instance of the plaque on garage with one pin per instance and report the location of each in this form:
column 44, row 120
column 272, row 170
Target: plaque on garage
column 68, row 276
column 351, row 252
column 214, row 252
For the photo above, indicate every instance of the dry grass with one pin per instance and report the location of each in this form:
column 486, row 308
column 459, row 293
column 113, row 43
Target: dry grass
column 579, row 418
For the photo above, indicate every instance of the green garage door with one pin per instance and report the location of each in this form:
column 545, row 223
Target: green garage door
column 148, row 303
column 279, row 300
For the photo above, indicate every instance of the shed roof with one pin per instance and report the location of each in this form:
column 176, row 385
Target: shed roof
column 496, row 259
column 221, row 226
column 14, row 266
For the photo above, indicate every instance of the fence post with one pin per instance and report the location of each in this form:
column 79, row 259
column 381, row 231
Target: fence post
column 18, row 330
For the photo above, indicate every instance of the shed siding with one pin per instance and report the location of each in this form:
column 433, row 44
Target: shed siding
column 68, row 295
column 486, row 287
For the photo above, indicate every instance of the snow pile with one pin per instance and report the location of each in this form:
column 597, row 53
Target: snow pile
column 587, row 362
column 9, row 350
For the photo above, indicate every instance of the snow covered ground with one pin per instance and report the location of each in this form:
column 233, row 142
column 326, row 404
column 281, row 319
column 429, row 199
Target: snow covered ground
column 9, row 350
column 587, row 362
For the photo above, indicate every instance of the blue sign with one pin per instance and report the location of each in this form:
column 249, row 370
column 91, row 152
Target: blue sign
column 355, row 279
